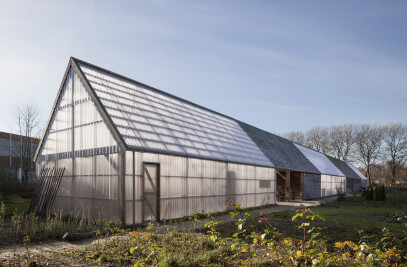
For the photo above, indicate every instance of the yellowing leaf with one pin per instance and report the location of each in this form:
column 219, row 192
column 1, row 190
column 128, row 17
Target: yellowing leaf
column 298, row 254
column 135, row 234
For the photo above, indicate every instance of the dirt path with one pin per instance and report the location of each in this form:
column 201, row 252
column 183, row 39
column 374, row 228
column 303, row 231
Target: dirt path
column 7, row 252
column 191, row 225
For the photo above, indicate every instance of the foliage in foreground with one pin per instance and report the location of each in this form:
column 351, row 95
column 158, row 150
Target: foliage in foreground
column 22, row 226
column 247, row 245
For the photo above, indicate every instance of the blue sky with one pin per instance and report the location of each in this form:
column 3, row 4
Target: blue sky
column 277, row 65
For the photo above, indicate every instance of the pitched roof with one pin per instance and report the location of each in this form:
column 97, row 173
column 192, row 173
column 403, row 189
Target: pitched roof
column 357, row 171
column 148, row 119
column 280, row 151
column 144, row 118
column 320, row 161
column 343, row 167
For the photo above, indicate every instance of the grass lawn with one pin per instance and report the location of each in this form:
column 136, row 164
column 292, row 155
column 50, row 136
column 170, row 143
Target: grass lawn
column 353, row 217
column 16, row 202
column 20, row 207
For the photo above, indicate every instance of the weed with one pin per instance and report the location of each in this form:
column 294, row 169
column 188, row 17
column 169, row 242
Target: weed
column 341, row 193
column 211, row 229
column 2, row 214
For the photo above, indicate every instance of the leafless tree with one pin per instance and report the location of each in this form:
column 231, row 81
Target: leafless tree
column 368, row 143
column 28, row 127
column 296, row 136
column 318, row 139
column 395, row 147
column 341, row 141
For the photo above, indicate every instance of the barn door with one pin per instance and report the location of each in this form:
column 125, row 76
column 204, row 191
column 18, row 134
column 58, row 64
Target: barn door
column 151, row 192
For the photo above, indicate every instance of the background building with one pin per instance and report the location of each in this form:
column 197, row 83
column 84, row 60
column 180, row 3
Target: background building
column 11, row 156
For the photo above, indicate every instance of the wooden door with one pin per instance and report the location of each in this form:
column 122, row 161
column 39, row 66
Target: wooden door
column 151, row 192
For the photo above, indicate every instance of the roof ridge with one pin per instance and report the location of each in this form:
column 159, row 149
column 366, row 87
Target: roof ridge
column 152, row 88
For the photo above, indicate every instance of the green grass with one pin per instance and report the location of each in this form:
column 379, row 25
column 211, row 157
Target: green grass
column 356, row 215
column 20, row 207
column 203, row 215
column 16, row 202
column 327, row 213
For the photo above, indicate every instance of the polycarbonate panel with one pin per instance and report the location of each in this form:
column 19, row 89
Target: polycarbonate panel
column 75, row 110
column 320, row 161
column 152, row 120
column 129, row 163
column 189, row 184
column 357, row 171
column 332, row 185
column 195, row 167
column 78, row 140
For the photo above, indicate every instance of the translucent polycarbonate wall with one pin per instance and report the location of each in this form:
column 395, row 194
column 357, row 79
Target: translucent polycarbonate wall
column 189, row 184
column 154, row 121
column 79, row 140
column 330, row 185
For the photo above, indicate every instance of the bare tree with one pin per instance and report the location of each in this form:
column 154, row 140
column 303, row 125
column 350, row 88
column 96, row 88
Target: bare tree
column 341, row 141
column 318, row 139
column 28, row 127
column 368, row 143
column 296, row 136
column 395, row 147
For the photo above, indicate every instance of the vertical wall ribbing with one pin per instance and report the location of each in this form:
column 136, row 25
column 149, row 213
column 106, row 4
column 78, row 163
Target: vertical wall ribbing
column 73, row 172
column 134, row 191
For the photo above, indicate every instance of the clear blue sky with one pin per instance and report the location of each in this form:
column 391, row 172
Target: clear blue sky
column 278, row 65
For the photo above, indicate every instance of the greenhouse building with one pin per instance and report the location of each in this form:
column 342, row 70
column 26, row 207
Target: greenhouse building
column 138, row 153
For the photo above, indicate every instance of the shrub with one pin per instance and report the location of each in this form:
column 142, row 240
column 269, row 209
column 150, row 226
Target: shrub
column 341, row 193
column 376, row 193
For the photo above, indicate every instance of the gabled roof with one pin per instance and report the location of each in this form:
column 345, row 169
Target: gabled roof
column 320, row 161
column 73, row 66
column 280, row 151
column 357, row 171
column 343, row 167
column 143, row 118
